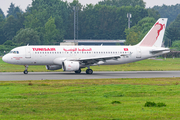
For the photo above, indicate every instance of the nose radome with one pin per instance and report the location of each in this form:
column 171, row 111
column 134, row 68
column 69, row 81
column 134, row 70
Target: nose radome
column 4, row 58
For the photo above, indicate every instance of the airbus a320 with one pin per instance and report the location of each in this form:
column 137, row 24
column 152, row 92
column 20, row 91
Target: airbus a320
column 74, row 58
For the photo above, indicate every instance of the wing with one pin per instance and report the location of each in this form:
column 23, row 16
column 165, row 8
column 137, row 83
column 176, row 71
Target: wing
column 98, row 60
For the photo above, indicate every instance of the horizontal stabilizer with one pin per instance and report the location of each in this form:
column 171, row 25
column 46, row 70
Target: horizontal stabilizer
column 159, row 50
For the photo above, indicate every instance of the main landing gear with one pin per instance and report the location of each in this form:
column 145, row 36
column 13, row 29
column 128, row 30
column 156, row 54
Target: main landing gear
column 78, row 71
column 88, row 71
column 26, row 69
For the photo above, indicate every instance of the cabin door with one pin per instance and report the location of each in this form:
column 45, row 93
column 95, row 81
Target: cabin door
column 28, row 52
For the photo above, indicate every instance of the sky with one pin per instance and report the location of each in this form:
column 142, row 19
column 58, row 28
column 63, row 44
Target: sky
column 4, row 4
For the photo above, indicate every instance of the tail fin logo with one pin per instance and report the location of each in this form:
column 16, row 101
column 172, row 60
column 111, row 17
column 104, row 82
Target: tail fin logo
column 153, row 35
column 162, row 26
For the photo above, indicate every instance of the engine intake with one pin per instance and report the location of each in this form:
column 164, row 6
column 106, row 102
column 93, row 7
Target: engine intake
column 70, row 66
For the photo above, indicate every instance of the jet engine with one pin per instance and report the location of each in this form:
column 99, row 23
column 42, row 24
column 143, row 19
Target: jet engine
column 53, row 67
column 70, row 66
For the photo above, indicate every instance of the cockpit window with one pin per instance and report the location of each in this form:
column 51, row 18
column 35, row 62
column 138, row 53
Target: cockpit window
column 14, row 52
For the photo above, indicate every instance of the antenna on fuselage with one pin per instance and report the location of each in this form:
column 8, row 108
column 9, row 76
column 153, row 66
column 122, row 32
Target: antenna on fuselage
column 28, row 44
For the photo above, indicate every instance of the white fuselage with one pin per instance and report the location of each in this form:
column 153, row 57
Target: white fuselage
column 55, row 55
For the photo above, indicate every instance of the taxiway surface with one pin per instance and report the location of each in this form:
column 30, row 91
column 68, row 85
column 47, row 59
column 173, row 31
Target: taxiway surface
column 96, row 75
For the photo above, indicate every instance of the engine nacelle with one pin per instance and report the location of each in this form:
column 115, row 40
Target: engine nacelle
column 53, row 67
column 70, row 66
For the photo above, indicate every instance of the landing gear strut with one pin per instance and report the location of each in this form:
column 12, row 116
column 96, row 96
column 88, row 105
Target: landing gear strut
column 78, row 71
column 26, row 69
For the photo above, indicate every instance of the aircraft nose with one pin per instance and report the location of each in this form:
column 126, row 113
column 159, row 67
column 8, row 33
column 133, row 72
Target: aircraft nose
column 4, row 58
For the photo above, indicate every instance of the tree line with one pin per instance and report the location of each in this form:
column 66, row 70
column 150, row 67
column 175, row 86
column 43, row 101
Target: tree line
column 52, row 21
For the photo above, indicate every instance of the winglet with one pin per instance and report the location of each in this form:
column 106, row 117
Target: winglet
column 155, row 36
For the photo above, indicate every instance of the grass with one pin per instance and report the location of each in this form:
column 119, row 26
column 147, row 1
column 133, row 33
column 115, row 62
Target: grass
column 113, row 99
column 145, row 65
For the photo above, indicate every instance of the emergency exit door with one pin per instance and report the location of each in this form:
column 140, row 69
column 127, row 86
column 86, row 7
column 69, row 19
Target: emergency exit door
column 138, row 52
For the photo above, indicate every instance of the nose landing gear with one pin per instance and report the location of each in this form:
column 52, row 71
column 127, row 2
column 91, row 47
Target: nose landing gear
column 26, row 69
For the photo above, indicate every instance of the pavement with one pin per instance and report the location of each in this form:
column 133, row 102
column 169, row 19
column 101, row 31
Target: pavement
column 19, row 76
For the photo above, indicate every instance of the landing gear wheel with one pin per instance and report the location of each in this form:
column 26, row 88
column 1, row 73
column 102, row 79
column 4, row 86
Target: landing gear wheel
column 25, row 72
column 78, row 71
column 89, row 71
column 26, row 69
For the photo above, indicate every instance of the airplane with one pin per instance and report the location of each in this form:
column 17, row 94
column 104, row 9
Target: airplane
column 74, row 58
